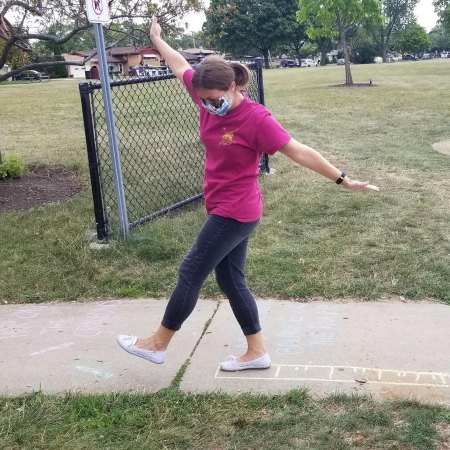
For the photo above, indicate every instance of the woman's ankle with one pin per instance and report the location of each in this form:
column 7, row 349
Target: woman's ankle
column 152, row 344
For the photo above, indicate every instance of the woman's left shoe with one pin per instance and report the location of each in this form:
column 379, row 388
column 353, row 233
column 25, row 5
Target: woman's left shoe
column 232, row 365
column 128, row 344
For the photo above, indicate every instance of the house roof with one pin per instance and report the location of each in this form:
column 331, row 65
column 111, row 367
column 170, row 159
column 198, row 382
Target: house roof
column 199, row 51
column 119, row 51
column 119, row 54
column 109, row 58
column 188, row 56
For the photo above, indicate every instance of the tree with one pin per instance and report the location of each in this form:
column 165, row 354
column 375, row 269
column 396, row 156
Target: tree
column 442, row 8
column 413, row 39
column 364, row 47
column 440, row 40
column 338, row 17
column 244, row 26
column 19, row 19
column 445, row 19
column 397, row 14
column 294, row 34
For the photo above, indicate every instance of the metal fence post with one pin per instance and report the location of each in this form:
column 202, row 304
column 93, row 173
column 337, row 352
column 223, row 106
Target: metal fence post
column 264, row 162
column 112, row 137
column 94, row 163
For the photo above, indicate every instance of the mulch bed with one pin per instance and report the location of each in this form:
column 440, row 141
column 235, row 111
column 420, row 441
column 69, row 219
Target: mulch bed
column 37, row 186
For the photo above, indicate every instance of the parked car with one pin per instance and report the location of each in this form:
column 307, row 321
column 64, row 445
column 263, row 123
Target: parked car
column 147, row 71
column 408, row 57
column 28, row 75
column 340, row 62
column 426, row 56
column 288, row 63
column 309, row 63
column 445, row 55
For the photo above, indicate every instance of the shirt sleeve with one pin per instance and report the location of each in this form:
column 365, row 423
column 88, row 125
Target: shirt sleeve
column 271, row 136
column 187, row 80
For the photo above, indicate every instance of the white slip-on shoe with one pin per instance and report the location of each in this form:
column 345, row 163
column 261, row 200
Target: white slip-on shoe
column 232, row 365
column 127, row 343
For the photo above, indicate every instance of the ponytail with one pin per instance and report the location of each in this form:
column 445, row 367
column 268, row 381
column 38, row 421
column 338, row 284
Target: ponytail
column 241, row 75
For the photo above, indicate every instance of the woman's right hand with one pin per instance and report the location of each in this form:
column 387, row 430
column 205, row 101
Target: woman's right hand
column 155, row 29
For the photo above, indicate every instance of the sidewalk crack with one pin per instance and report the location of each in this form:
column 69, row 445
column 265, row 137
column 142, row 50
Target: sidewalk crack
column 175, row 384
column 205, row 329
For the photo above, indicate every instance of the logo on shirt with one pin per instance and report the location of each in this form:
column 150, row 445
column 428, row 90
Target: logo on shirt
column 227, row 138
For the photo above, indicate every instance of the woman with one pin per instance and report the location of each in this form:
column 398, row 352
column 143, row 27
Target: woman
column 235, row 132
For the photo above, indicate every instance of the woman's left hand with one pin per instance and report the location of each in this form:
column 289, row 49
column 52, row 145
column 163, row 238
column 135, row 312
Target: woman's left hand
column 354, row 185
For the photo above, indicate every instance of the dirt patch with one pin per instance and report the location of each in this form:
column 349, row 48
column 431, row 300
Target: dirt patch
column 37, row 186
column 354, row 85
column 442, row 147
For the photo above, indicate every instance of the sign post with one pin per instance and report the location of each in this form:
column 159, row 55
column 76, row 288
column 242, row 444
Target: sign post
column 98, row 14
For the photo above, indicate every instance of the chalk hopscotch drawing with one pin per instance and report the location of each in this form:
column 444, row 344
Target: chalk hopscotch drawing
column 346, row 374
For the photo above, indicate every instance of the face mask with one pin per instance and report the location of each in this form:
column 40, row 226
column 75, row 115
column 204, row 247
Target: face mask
column 223, row 105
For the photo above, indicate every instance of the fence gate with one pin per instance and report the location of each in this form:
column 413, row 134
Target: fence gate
column 161, row 155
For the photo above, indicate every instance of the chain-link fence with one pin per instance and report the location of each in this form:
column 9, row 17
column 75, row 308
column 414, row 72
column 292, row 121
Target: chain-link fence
column 161, row 155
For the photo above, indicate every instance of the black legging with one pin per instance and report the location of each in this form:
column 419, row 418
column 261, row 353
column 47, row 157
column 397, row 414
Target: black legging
column 221, row 245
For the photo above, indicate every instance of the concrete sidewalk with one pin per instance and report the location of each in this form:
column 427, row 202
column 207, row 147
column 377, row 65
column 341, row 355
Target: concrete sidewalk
column 390, row 349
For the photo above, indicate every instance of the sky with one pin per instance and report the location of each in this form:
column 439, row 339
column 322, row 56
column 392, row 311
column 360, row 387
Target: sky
column 424, row 12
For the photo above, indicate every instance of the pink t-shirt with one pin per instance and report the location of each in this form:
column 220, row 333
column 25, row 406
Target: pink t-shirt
column 234, row 145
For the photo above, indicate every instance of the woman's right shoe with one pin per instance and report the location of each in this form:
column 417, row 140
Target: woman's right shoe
column 128, row 344
column 233, row 365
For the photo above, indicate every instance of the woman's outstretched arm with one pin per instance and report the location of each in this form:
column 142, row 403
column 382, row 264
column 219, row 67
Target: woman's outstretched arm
column 174, row 60
column 312, row 159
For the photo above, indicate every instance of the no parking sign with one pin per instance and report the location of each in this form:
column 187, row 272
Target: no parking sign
column 97, row 11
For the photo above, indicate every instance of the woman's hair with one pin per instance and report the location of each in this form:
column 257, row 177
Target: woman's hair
column 216, row 73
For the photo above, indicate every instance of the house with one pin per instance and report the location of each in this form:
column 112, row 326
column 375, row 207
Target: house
column 119, row 60
column 332, row 56
column 201, row 53
column 4, row 69
column 192, row 59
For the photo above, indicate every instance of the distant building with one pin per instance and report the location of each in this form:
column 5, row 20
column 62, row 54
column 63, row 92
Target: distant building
column 201, row 53
column 332, row 56
column 192, row 59
column 119, row 60
column 4, row 69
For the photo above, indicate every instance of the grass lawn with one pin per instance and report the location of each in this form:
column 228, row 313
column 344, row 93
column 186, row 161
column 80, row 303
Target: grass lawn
column 314, row 240
column 172, row 420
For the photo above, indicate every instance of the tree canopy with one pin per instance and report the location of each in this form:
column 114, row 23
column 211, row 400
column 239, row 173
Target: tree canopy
column 338, row 18
column 413, row 39
column 396, row 15
column 24, row 21
column 244, row 26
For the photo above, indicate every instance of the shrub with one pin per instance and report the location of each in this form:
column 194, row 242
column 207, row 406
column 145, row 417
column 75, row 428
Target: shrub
column 12, row 166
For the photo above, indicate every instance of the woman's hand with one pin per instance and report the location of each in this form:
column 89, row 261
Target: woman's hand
column 155, row 29
column 354, row 185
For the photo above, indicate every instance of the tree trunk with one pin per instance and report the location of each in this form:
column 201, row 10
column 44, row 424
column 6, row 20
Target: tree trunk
column 348, row 72
column 266, row 58
column 323, row 57
column 298, row 53
column 383, row 44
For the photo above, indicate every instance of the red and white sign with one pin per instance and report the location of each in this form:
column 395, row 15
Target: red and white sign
column 97, row 11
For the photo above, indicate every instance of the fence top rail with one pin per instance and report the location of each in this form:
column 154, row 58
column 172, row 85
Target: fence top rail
column 132, row 80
